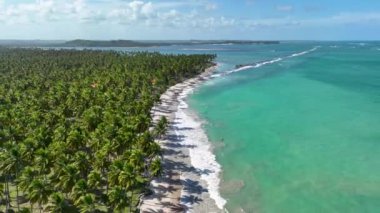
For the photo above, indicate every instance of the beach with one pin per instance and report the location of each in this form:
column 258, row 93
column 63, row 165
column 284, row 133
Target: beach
column 190, row 178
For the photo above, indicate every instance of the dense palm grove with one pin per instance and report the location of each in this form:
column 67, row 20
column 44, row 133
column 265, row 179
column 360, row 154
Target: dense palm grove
column 75, row 126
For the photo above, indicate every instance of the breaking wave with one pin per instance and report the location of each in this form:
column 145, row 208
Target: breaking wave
column 263, row 63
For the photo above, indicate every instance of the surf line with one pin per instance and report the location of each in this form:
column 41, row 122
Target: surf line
column 262, row 63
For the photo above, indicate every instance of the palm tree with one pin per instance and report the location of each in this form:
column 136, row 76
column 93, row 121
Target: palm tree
column 144, row 141
column 25, row 210
column 1, row 191
column 82, row 163
column 80, row 189
column 130, row 180
column 103, row 163
column 153, row 149
column 136, row 159
column 75, row 139
column 118, row 198
column 161, row 127
column 95, row 179
column 126, row 176
column 116, row 169
column 27, row 149
column 10, row 164
column 5, row 174
column 27, row 176
column 80, row 121
column 39, row 192
column 43, row 159
column 68, row 178
column 58, row 203
column 87, row 203
column 155, row 168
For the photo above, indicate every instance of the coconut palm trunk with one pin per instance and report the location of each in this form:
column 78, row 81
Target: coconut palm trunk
column 17, row 192
column 7, row 194
column 131, row 202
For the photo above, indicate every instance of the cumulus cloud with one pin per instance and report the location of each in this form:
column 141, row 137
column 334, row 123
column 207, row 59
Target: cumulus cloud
column 167, row 13
column 28, row 12
column 40, row 10
column 135, row 11
column 158, row 14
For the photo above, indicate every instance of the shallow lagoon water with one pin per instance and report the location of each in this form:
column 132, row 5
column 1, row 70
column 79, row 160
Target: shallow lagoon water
column 299, row 135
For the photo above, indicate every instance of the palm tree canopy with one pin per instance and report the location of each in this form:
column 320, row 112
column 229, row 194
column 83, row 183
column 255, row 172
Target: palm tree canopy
column 76, row 127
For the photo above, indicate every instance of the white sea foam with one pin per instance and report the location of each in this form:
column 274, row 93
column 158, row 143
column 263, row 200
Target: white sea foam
column 202, row 158
column 359, row 43
column 241, row 68
column 257, row 65
column 203, row 49
column 216, row 75
column 223, row 44
column 268, row 62
column 304, row 52
column 189, row 127
column 260, row 64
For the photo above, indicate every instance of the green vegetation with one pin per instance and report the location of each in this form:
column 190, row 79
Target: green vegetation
column 75, row 126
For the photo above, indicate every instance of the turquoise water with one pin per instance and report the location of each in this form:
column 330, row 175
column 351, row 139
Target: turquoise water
column 300, row 135
column 297, row 135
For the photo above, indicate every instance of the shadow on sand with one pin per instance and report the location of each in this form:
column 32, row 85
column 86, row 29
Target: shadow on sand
column 170, row 184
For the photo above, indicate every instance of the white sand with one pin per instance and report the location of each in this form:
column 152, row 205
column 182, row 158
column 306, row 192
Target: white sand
column 190, row 178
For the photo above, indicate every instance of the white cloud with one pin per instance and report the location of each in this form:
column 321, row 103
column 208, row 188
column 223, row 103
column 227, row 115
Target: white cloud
column 113, row 11
column 133, row 11
column 75, row 6
column 28, row 12
column 335, row 20
column 345, row 18
column 271, row 23
column 284, row 8
column 356, row 17
column 211, row 6
column 172, row 14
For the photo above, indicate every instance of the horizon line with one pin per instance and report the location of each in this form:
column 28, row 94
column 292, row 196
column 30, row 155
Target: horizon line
column 124, row 39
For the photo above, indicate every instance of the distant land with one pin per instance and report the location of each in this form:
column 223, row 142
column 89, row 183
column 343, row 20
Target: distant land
column 30, row 43
column 122, row 43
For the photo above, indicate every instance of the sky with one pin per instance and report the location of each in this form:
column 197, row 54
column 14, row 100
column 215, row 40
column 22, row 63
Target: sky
column 190, row 19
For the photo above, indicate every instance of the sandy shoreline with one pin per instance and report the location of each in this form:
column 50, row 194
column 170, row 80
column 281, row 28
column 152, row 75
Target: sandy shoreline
column 190, row 178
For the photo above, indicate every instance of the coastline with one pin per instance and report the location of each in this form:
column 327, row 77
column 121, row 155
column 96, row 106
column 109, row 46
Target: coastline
column 190, row 178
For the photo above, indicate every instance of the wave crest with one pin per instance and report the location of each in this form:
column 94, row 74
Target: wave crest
column 200, row 150
column 262, row 63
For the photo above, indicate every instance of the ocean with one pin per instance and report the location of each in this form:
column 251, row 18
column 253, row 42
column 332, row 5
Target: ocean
column 294, row 128
column 297, row 127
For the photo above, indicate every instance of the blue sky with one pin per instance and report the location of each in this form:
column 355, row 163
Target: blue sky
column 191, row 19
